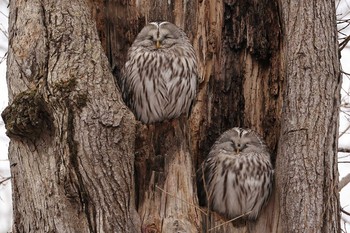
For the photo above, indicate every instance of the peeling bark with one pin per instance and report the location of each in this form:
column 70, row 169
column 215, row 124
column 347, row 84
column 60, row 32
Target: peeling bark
column 165, row 182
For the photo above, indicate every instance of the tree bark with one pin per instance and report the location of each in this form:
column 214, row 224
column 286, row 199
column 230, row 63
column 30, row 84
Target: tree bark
column 306, row 173
column 72, row 139
column 165, row 178
column 243, row 51
column 238, row 46
column 74, row 143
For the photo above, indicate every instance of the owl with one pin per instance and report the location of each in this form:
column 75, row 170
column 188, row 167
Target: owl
column 159, row 79
column 238, row 175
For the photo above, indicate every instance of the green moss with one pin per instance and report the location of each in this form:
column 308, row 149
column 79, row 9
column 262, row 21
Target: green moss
column 26, row 115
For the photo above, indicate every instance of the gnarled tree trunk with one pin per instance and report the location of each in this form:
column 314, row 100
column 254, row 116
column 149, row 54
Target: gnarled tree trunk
column 72, row 139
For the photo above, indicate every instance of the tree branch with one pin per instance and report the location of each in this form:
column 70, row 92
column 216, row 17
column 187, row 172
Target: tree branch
column 4, row 180
column 344, row 43
column 344, row 211
column 344, row 131
column 344, row 150
column 344, row 181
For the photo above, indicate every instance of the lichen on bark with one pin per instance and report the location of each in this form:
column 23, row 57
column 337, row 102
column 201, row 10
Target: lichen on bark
column 27, row 115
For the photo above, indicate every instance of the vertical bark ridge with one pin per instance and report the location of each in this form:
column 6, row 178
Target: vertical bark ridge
column 307, row 149
column 166, row 178
column 77, row 186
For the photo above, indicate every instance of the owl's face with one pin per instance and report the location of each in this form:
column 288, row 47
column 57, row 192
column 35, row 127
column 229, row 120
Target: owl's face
column 239, row 140
column 160, row 35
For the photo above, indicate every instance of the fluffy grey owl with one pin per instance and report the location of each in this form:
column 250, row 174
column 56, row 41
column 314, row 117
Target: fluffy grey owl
column 238, row 174
column 159, row 79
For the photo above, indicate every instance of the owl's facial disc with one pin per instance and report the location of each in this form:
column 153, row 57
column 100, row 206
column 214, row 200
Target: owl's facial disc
column 244, row 141
column 238, row 146
column 162, row 35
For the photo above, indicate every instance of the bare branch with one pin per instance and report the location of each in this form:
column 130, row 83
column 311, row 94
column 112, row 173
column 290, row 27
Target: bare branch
column 344, row 42
column 344, row 131
column 4, row 180
column 344, row 181
column 344, row 211
column 346, row 114
column 3, row 14
column 2, row 59
column 344, row 150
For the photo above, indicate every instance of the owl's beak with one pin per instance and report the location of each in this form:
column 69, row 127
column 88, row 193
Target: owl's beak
column 237, row 150
column 157, row 44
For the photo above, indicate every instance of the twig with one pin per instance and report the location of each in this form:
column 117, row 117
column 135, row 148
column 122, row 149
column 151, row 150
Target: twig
column 344, row 181
column 229, row 221
column 344, row 131
column 344, row 150
column 344, row 211
column 188, row 203
column 2, row 59
column 4, row 180
column 344, row 43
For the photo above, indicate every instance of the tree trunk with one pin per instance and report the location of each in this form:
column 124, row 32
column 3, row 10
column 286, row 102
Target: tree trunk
column 164, row 176
column 75, row 143
column 72, row 139
column 238, row 49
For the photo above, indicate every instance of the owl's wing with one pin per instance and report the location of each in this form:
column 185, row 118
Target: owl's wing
column 257, row 170
column 181, row 87
column 125, row 85
column 205, row 175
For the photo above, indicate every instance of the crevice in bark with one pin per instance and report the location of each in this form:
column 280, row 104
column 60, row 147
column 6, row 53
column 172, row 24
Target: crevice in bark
column 254, row 26
column 165, row 177
column 73, row 158
column 72, row 102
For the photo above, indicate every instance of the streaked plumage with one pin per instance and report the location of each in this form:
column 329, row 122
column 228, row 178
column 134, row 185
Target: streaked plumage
column 159, row 79
column 238, row 174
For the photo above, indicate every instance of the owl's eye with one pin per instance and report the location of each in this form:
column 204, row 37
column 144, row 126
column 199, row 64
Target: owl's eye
column 168, row 37
column 149, row 38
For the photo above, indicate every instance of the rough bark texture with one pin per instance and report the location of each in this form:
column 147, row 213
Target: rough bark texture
column 165, row 181
column 72, row 139
column 238, row 45
column 307, row 175
column 74, row 143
